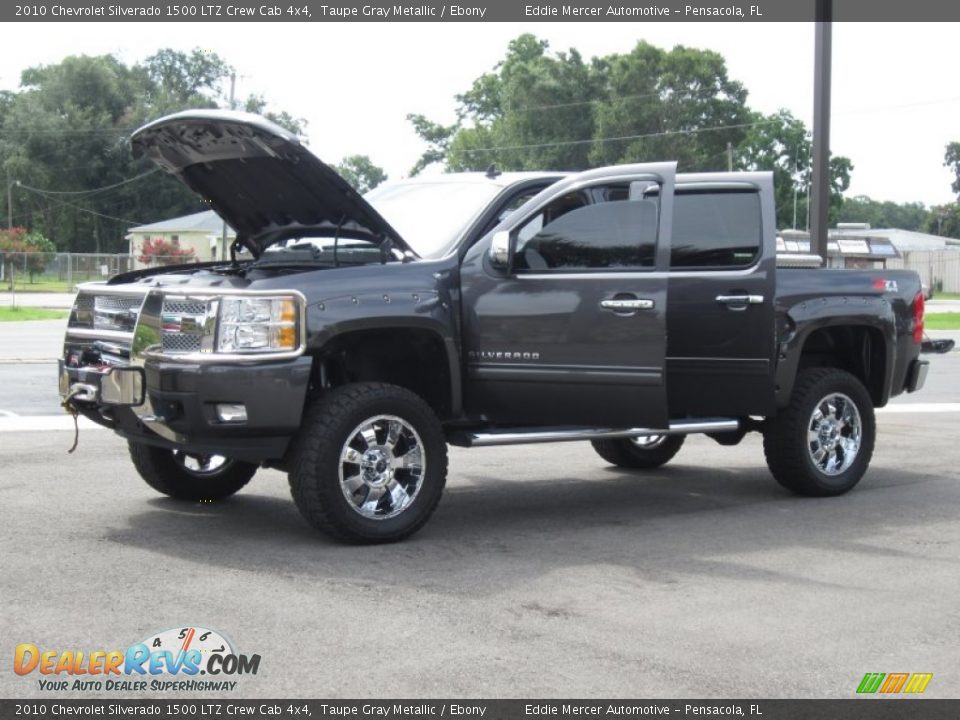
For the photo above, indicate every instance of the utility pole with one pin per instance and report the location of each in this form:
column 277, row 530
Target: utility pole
column 10, row 184
column 820, row 192
column 796, row 190
column 729, row 157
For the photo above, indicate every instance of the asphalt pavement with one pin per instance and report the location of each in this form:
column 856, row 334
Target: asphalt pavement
column 545, row 572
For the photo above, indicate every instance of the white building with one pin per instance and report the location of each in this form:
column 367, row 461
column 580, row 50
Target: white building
column 201, row 232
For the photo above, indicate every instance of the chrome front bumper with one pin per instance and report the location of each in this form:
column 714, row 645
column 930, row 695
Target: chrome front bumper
column 115, row 386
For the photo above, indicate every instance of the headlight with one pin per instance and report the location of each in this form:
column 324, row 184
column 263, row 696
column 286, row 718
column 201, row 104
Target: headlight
column 258, row 324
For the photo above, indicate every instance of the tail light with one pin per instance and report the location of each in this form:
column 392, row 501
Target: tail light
column 918, row 306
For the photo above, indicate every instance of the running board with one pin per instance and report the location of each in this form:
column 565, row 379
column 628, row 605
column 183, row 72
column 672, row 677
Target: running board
column 521, row 436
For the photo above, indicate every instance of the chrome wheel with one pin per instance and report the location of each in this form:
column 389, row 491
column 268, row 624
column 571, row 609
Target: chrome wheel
column 200, row 464
column 382, row 465
column 834, row 434
column 648, row 442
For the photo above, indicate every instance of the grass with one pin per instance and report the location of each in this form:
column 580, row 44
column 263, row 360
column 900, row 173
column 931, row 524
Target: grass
column 942, row 321
column 47, row 286
column 946, row 296
column 11, row 314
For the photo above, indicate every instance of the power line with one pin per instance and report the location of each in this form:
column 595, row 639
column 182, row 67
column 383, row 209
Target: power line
column 663, row 133
column 89, row 192
column 597, row 101
column 64, row 203
column 94, row 212
column 68, row 131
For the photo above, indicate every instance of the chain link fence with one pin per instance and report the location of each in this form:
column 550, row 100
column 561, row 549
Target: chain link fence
column 940, row 269
column 62, row 272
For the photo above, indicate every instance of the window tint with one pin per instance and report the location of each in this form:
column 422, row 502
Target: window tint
column 715, row 229
column 607, row 235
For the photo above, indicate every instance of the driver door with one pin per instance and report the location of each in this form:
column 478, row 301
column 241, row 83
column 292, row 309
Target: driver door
column 564, row 305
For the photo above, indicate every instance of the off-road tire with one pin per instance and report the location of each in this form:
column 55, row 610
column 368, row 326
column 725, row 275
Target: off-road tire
column 161, row 471
column 315, row 462
column 625, row 453
column 786, row 444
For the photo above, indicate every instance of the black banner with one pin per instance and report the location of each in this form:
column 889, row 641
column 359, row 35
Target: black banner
column 477, row 10
column 854, row 709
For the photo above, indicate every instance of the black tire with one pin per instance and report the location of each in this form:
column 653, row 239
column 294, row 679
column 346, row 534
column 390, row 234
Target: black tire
column 165, row 471
column 790, row 451
column 625, row 453
column 358, row 501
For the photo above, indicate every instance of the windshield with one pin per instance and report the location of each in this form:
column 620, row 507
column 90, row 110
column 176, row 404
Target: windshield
column 431, row 215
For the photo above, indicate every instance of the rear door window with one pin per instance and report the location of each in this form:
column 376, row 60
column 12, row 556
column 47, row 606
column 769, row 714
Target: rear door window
column 716, row 229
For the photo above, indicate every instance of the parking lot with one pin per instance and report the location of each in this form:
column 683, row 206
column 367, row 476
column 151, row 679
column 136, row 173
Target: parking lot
column 544, row 573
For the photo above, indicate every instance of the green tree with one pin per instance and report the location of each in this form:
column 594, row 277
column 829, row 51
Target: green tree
column 361, row 173
column 436, row 136
column 884, row 214
column 23, row 251
column 782, row 144
column 64, row 132
column 951, row 159
column 257, row 104
column 944, row 220
column 178, row 80
column 539, row 109
column 678, row 104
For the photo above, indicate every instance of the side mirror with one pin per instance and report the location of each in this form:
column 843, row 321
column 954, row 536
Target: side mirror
column 500, row 250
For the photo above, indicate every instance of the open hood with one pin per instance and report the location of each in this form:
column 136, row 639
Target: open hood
column 258, row 177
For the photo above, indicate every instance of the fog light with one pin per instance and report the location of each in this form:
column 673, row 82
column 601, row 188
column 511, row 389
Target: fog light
column 231, row 412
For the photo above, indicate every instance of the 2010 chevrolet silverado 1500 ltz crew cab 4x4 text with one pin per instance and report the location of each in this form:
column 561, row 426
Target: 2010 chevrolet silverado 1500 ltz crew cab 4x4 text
column 350, row 339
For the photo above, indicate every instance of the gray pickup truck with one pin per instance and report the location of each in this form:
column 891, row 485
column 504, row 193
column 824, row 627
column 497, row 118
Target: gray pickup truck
column 349, row 339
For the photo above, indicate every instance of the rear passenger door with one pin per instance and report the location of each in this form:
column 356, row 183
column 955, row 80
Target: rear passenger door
column 720, row 321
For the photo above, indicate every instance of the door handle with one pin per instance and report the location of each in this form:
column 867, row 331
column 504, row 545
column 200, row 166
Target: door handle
column 621, row 305
column 740, row 299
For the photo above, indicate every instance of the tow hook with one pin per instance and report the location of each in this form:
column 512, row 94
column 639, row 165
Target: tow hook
column 936, row 346
column 70, row 406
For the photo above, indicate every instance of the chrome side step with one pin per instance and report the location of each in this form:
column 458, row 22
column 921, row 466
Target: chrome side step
column 520, row 436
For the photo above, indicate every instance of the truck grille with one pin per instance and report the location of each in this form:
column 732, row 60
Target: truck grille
column 184, row 307
column 180, row 343
column 116, row 312
column 182, row 322
column 113, row 312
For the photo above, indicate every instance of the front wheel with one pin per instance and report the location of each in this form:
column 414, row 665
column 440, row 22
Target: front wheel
column 189, row 477
column 644, row 452
column 822, row 442
column 369, row 464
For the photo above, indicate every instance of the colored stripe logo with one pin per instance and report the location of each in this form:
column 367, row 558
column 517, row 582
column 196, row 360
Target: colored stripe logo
column 894, row 683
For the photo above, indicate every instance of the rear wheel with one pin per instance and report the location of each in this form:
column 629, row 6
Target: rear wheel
column 821, row 444
column 189, row 477
column 643, row 452
column 369, row 464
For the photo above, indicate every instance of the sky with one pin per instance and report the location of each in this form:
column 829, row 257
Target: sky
column 895, row 101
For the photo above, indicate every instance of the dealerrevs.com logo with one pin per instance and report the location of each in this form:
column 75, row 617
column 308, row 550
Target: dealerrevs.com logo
column 172, row 660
